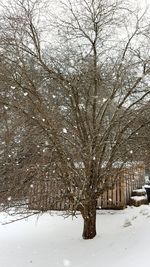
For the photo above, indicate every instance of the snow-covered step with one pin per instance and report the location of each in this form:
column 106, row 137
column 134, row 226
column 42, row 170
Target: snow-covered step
column 138, row 200
column 139, row 192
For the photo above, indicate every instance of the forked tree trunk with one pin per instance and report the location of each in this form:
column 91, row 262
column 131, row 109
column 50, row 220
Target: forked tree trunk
column 89, row 217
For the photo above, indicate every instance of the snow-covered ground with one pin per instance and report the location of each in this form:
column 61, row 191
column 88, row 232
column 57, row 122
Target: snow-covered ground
column 122, row 241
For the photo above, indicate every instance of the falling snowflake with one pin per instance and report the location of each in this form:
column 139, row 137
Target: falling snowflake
column 25, row 93
column 43, row 119
column 5, row 107
column 66, row 263
column 131, row 151
column 46, row 143
column 31, row 185
column 64, row 130
column 63, row 108
column 81, row 106
column 9, row 198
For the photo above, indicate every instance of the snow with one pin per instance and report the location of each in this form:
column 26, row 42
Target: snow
column 79, row 165
column 81, row 106
column 139, row 190
column 52, row 241
column 64, row 130
column 25, row 93
column 5, row 107
column 146, row 186
column 46, row 143
column 139, row 198
column 66, row 263
column 127, row 164
column 127, row 223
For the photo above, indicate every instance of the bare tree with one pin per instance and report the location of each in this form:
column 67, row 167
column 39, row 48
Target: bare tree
column 84, row 94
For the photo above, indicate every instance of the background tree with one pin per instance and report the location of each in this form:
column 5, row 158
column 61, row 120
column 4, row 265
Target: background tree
column 80, row 96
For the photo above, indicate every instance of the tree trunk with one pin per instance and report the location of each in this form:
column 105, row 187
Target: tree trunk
column 89, row 217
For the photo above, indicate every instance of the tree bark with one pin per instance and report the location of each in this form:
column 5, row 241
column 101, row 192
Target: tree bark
column 89, row 217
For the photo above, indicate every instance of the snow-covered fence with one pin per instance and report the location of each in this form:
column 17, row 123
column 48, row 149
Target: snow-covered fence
column 48, row 195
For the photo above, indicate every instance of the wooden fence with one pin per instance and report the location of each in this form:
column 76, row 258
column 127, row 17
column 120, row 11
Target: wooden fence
column 118, row 197
column 43, row 196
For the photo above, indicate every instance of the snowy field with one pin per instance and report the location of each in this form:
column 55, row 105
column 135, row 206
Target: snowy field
column 123, row 240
